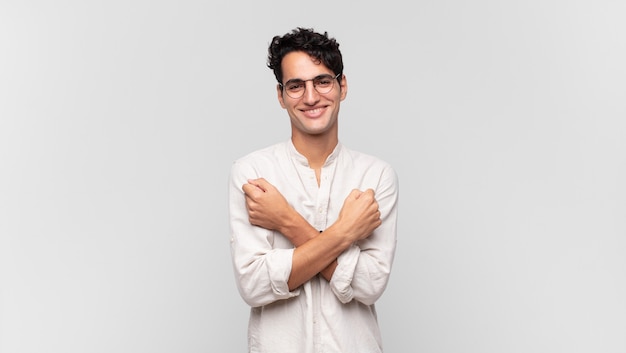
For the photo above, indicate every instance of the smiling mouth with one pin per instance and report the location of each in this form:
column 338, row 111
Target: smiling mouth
column 314, row 113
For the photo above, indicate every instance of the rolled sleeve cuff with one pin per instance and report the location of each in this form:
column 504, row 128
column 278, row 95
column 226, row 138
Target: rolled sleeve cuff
column 279, row 268
column 341, row 281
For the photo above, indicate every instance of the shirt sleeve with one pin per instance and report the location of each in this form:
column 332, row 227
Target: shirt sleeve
column 261, row 270
column 363, row 270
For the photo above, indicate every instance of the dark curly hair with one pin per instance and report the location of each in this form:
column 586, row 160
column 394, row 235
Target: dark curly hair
column 325, row 50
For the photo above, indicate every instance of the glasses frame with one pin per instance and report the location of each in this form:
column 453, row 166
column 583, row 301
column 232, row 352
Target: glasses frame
column 282, row 86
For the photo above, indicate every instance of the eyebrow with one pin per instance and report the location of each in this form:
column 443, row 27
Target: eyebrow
column 316, row 77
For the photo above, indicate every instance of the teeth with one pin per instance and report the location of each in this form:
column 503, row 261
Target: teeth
column 314, row 110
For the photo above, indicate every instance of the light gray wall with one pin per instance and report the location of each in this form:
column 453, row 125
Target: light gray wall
column 505, row 121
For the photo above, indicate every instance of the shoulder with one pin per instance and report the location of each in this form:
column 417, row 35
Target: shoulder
column 368, row 167
column 261, row 156
column 259, row 161
column 363, row 160
column 371, row 171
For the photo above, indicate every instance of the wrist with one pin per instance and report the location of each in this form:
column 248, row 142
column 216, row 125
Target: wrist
column 288, row 222
column 343, row 236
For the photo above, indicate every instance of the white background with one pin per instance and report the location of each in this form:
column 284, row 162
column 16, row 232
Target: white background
column 505, row 121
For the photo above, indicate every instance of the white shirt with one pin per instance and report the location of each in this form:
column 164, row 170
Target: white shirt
column 320, row 316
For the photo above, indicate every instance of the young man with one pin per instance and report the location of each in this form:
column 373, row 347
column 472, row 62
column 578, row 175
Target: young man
column 313, row 223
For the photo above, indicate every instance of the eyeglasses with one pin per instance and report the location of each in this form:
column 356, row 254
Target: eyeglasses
column 323, row 84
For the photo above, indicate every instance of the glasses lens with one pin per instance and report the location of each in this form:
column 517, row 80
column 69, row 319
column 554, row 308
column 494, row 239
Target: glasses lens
column 295, row 88
column 323, row 84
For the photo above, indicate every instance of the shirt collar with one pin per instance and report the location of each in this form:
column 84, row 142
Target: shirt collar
column 302, row 160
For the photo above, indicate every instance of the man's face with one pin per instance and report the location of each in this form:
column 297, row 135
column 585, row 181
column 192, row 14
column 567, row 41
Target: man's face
column 313, row 113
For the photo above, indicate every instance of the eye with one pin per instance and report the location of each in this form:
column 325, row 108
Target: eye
column 295, row 85
column 323, row 81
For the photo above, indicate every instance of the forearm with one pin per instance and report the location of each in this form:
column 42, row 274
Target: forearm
column 299, row 231
column 317, row 255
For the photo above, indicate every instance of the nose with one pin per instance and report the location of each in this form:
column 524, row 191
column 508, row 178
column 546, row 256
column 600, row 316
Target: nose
column 311, row 96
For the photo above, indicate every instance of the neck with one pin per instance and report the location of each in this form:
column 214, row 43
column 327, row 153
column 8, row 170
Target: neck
column 316, row 149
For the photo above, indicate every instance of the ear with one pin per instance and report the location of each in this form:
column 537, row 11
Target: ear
column 344, row 87
column 279, row 93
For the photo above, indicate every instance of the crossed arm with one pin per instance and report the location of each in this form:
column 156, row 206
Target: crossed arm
column 314, row 252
